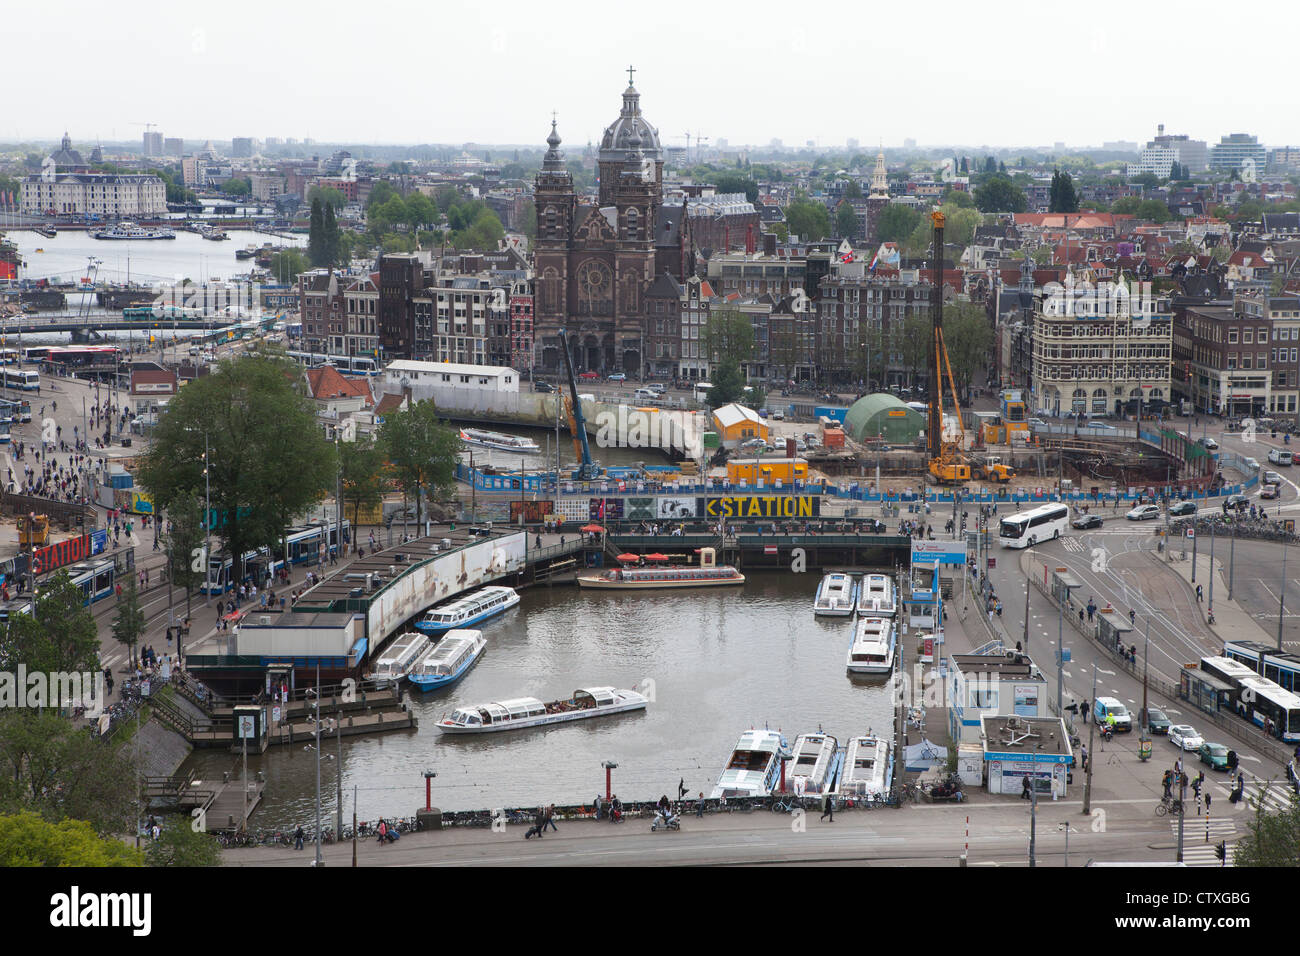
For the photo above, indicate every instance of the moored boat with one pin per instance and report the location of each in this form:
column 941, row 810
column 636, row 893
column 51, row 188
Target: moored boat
column 447, row 661
column 516, row 714
column 871, row 649
column 754, row 767
column 397, row 658
column 876, row 596
column 468, row 610
column 129, row 230
column 708, row 573
column 498, row 440
column 815, row 762
column 835, row 595
column 866, row 770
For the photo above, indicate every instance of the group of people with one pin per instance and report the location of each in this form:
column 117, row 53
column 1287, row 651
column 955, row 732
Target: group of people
column 544, row 817
column 610, row 809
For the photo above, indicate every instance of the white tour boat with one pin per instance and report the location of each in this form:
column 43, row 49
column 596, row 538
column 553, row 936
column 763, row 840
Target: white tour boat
column 815, row 762
column 754, row 768
column 835, row 595
column 708, row 573
column 876, row 596
column 468, row 610
column 866, row 770
column 872, row 649
column 530, row 712
column 498, row 440
column 130, row 230
column 448, row 660
column 396, row 659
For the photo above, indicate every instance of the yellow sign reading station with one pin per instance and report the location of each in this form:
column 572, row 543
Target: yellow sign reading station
column 763, row 506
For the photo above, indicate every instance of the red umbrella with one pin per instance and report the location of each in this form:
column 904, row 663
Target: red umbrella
column 656, row 557
column 628, row 557
column 593, row 529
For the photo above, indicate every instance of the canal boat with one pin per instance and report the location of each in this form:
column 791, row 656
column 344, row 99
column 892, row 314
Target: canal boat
column 815, row 762
column 248, row 252
column 47, row 230
column 866, row 770
column 835, row 595
column 521, row 712
column 448, row 660
column 707, row 574
column 129, row 230
column 871, row 650
column 754, row 767
column 499, row 441
column 398, row 658
column 876, row 596
column 468, row 610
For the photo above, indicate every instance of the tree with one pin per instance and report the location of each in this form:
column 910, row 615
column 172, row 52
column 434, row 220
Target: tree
column 959, row 225
column 237, row 187
column 1250, row 211
column 317, row 248
column 990, row 164
column 361, row 465
column 853, row 190
column 129, row 621
column 846, row 221
column 1146, row 180
column 330, row 229
column 328, row 195
column 529, row 224
column 807, row 219
column 896, row 222
column 59, row 636
column 28, row 840
column 1126, row 205
column 287, row 264
column 380, row 193
column 420, row 210
column 912, row 342
column 1272, row 839
column 968, row 338
column 959, row 198
column 179, row 844
column 50, row 767
column 268, row 460
column 999, row 194
column 422, row 451
column 485, row 232
column 381, row 219
column 728, row 384
column 183, row 542
column 1062, row 196
column 736, row 183
column 965, row 168
column 728, row 336
column 1152, row 209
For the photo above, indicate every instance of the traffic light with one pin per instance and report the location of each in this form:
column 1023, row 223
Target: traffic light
column 1221, row 851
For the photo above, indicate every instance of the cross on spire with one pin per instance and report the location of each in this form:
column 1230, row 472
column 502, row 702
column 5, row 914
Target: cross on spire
column 630, row 71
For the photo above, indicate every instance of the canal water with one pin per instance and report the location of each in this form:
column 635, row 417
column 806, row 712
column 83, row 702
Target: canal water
column 189, row 256
column 720, row 662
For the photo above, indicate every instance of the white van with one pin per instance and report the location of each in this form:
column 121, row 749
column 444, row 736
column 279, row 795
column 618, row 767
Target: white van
column 1104, row 707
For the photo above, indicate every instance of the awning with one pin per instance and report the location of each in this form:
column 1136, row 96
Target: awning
column 925, row 756
column 628, row 557
column 656, row 557
column 592, row 529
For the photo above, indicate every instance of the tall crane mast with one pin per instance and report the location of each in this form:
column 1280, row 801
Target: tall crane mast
column 946, row 462
column 587, row 469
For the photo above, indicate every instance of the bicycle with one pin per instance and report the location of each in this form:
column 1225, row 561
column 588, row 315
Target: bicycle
column 1169, row 805
column 786, row 805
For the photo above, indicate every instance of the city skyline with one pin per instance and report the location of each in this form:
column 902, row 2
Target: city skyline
column 493, row 77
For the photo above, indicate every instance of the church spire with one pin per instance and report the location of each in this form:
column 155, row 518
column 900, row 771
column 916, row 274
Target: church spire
column 879, row 178
column 554, row 160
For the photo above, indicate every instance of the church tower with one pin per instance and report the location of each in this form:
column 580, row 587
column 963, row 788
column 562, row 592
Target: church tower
column 877, row 200
column 555, row 203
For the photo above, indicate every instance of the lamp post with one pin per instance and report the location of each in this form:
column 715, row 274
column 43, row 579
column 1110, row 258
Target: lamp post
column 1281, row 598
column 609, row 765
column 207, row 527
column 1092, row 725
column 1210, row 606
column 1065, row 828
column 1033, row 819
column 1027, row 589
column 316, row 709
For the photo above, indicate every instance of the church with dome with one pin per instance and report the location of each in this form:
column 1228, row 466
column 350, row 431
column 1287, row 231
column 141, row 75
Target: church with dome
column 595, row 262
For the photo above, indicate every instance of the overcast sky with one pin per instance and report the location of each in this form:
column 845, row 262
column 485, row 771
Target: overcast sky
column 1005, row 73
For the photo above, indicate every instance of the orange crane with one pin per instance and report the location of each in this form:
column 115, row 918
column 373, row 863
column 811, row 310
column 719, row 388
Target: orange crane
column 947, row 464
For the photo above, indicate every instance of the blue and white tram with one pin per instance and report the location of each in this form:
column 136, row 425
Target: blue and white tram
column 95, row 579
column 221, row 570
column 304, row 544
column 1281, row 667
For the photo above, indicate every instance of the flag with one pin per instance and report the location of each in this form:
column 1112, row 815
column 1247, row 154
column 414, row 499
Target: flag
column 847, row 257
column 769, row 549
column 874, row 260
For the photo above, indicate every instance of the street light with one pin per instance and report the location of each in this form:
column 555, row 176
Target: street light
column 1065, row 828
column 609, row 765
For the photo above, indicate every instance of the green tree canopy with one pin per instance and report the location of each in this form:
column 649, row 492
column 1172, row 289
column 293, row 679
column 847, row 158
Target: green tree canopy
column 421, row 450
column 28, row 840
column 999, row 194
column 1272, row 838
column 1152, row 209
column 59, row 636
column 317, row 245
column 179, row 844
column 958, row 198
column 1126, row 205
column 735, row 182
column 1062, row 195
column 728, row 336
column 361, row 464
column 128, row 619
column 968, row 338
column 328, row 196
column 380, row 193
column 728, row 384
column 485, row 232
column 896, row 223
column 330, row 228
column 237, row 187
column 55, row 769
column 846, row 221
column 288, row 264
column 269, row 460
column 420, row 211
column 183, row 544
column 808, row 219
column 853, row 190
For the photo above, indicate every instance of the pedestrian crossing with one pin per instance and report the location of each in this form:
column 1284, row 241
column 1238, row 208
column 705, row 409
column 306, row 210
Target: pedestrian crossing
column 1223, row 822
column 1198, row 852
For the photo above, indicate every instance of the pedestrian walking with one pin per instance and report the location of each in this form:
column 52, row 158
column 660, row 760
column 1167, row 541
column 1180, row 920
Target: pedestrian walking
column 550, row 818
column 1198, row 593
column 1083, row 753
column 1024, row 789
column 699, row 803
column 828, row 807
column 297, row 839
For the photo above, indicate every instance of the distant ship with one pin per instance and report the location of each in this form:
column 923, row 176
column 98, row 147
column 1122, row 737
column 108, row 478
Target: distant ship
column 129, row 230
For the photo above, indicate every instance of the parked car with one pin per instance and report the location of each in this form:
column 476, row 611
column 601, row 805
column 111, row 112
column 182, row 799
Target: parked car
column 1084, row 522
column 1143, row 513
column 1180, row 508
column 1154, row 718
column 1272, row 478
column 659, row 387
column 1215, row 755
column 617, row 377
column 589, row 376
column 1185, row 737
column 1235, row 503
column 778, row 416
column 1208, row 442
column 543, row 387
column 1268, row 491
column 1251, row 463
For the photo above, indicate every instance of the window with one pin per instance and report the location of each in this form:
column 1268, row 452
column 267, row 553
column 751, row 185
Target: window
column 1232, row 336
column 1247, row 337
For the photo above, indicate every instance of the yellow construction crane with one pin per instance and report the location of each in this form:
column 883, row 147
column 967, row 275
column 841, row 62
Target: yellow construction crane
column 947, row 464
